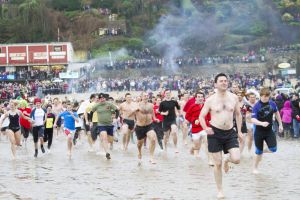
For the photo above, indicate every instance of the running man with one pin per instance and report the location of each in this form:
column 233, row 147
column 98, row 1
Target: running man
column 167, row 108
column 90, row 121
column 198, row 135
column 69, row 125
column 183, row 124
column 249, row 124
column 144, row 129
column 105, row 112
column 38, row 116
column 243, row 109
column 221, row 135
column 126, row 108
column 57, row 109
column 157, row 124
column 262, row 117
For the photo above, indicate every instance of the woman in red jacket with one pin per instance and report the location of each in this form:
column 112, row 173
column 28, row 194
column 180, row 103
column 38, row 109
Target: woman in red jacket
column 25, row 124
column 198, row 134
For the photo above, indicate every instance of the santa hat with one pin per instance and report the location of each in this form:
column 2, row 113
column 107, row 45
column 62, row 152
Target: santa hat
column 37, row 100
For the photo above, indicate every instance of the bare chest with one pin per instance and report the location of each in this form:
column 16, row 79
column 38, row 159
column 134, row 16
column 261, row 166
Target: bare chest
column 218, row 107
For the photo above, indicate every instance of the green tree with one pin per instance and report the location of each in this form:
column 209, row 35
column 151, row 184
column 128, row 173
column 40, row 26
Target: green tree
column 135, row 43
column 287, row 17
column 67, row 5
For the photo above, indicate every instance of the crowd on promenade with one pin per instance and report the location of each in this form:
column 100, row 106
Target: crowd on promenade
column 14, row 89
column 148, row 59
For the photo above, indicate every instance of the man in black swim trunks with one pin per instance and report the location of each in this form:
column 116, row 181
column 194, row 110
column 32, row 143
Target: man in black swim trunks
column 144, row 114
column 221, row 135
column 126, row 110
column 167, row 108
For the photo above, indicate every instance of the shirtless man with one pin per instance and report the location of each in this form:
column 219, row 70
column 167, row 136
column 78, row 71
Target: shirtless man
column 243, row 109
column 182, row 122
column 127, row 128
column 57, row 109
column 221, row 135
column 144, row 114
column 250, row 105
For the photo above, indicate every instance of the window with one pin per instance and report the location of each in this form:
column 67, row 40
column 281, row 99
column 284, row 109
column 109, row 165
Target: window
column 57, row 48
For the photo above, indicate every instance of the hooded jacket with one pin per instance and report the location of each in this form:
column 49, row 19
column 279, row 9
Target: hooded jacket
column 286, row 112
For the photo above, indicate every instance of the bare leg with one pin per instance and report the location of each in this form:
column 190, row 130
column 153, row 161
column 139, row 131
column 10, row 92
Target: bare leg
column 152, row 138
column 257, row 159
column 140, row 145
column 174, row 131
column 184, row 132
column 242, row 143
column 125, row 133
column 17, row 136
column 110, row 141
column 166, row 139
column 249, row 139
column 218, row 173
column 209, row 155
column 70, row 145
column 234, row 157
column 90, row 140
column 103, row 139
column 196, row 147
column 12, row 140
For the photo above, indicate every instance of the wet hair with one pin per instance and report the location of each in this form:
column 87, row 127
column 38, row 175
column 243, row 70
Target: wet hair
column 198, row 92
column 92, row 96
column 250, row 94
column 265, row 91
column 220, row 75
column 127, row 94
column 76, row 104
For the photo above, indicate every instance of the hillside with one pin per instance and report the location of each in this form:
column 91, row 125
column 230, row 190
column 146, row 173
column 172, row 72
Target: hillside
column 183, row 26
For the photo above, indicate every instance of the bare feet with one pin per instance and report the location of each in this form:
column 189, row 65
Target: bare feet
column 139, row 159
column 192, row 151
column 152, row 161
column 69, row 155
column 220, row 195
column 211, row 163
column 226, row 166
column 255, row 171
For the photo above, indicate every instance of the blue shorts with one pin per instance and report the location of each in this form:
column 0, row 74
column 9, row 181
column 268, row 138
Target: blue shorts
column 108, row 129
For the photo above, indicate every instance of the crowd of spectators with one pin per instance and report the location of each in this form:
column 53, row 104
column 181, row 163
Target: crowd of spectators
column 147, row 59
column 25, row 74
column 32, row 88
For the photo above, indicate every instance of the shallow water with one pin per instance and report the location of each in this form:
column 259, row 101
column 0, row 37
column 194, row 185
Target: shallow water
column 175, row 176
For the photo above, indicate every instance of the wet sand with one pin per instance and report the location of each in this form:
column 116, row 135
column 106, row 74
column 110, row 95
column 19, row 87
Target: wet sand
column 175, row 176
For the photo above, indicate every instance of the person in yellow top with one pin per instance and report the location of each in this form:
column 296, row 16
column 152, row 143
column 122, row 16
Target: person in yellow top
column 48, row 133
column 90, row 120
